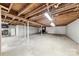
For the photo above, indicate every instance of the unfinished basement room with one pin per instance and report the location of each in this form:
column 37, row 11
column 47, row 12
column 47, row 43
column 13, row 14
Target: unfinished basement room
column 39, row 29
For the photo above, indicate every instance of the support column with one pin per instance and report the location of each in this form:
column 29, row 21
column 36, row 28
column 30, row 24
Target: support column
column 17, row 32
column 25, row 31
column 41, row 30
column 0, row 31
column 28, row 31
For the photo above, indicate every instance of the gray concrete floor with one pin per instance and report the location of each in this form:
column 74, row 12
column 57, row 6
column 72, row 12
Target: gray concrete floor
column 45, row 45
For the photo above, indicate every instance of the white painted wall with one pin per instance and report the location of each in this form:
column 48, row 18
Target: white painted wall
column 12, row 29
column 20, row 30
column 33, row 30
column 56, row 30
column 12, row 42
column 72, row 30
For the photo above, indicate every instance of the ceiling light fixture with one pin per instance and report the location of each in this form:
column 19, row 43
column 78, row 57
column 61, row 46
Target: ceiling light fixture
column 47, row 15
column 52, row 24
column 50, row 19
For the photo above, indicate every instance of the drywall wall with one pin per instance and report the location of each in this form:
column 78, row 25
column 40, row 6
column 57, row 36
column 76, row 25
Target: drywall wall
column 12, row 42
column 22, row 30
column 9, row 39
column 72, row 30
column 12, row 30
column 56, row 30
column 33, row 30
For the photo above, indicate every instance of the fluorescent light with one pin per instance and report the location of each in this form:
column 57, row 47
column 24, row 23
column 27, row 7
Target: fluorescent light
column 52, row 24
column 47, row 15
column 49, row 18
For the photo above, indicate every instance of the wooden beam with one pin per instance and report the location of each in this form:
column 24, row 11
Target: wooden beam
column 20, row 18
column 39, row 11
column 28, row 8
column 10, row 7
column 16, row 22
column 47, row 7
column 65, row 8
column 57, row 5
column 4, row 7
column 65, row 12
column 36, row 17
column 4, row 18
column 12, row 20
column 35, row 10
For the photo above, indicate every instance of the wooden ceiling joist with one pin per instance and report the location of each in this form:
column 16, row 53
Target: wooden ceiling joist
column 36, row 10
column 19, row 18
column 16, row 22
column 66, row 12
column 4, row 7
column 10, row 7
column 65, row 8
column 36, row 17
column 39, row 11
column 28, row 8
column 4, row 18
column 12, row 20
column 66, row 18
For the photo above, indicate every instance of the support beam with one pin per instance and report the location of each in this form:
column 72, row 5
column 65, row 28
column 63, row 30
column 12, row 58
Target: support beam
column 47, row 7
column 20, row 18
column 65, row 8
column 35, row 10
column 5, row 18
column 37, row 17
column 12, row 20
column 10, row 7
column 28, row 8
column 57, row 5
column 39, row 11
column 25, row 9
column 16, row 22
column 4, row 7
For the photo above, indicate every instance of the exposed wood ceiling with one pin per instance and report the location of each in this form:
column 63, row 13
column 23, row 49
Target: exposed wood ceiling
column 21, row 13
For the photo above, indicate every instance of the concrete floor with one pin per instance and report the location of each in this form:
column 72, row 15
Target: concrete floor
column 45, row 45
